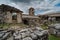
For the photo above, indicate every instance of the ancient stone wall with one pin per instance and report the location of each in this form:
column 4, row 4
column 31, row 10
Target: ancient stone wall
column 9, row 17
column 19, row 17
column 2, row 17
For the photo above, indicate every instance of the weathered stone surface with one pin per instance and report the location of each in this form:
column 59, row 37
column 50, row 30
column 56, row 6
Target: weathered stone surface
column 54, row 29
column 27, row 38
column 16, row 35
column 4, row 35
column 23, row 30
column 24, row 35
column 1, row 34
column 32, row 34
column 58, row 34
column 38, row 28
column 38, row 33
column 35, row 33
column 57, row 27
column 19, row 18
column 9, row 17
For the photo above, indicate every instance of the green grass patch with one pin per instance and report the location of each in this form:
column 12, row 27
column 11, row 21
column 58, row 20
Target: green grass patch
column 51, row 37
column 44, row 27
column 6, row 26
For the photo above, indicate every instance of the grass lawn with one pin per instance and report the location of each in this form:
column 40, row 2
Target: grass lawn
column 51, row 37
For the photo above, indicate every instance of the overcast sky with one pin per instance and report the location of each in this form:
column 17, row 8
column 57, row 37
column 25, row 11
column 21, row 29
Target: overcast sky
column 41, row 6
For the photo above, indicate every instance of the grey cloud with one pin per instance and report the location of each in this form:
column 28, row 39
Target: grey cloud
column 24, row 1
column 21, row 1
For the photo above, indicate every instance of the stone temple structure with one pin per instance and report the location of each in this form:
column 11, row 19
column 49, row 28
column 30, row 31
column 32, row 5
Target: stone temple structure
column 7, row 14
column 10, row 14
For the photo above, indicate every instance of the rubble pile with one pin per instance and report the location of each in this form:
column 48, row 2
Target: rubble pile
column 35, row 33
column 54, row 29
column 4, row 34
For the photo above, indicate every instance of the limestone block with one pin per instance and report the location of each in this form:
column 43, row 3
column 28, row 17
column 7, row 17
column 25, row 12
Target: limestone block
column 33, row 36
column 4, row 35
column 27, row 38
column 38, row 33
column 23, row 35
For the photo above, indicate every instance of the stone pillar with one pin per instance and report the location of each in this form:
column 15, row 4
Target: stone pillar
column 31, row 11
column 19, row 17
column 9, row 17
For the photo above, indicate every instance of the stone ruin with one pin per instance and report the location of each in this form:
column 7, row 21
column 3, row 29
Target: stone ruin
column 34, row 33
column 31, row 34
column 54, row 29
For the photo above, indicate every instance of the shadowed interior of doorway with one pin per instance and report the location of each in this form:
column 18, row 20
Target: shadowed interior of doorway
column 14, row 18
column 25, row 22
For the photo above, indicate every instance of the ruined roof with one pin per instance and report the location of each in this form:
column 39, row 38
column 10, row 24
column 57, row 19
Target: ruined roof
column 4, row 7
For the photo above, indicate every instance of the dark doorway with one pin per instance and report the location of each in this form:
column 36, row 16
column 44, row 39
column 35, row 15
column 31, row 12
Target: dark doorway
column 14, row 17
column 25, row 22
column 58, row 19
